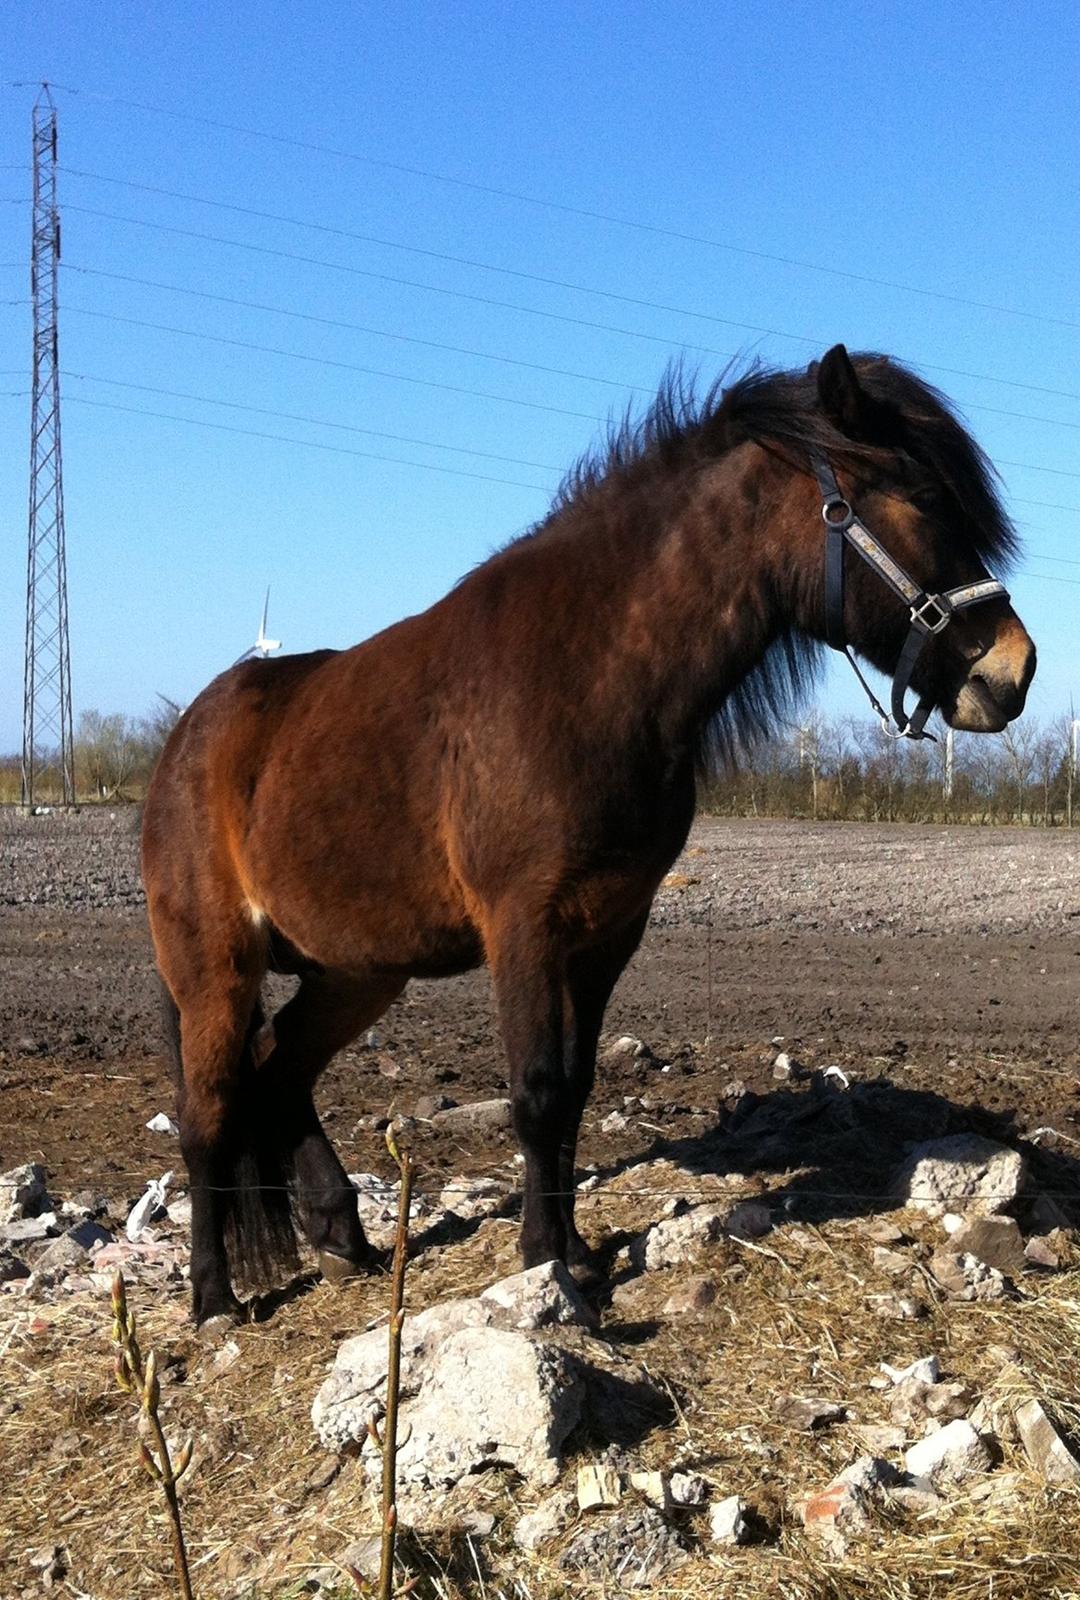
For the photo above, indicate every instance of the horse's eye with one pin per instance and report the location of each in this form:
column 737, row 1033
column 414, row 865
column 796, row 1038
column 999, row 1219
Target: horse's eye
column 925, row 499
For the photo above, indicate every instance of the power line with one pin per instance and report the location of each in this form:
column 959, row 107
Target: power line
column 307, row 444
column 504, row 360
column 324, row 422
column 1044, row 505
column 458, row 294
column 570, row 210
column 380, row 333
column 1030, row 466
column 397, row 244
column 202, row 294
column 320, row 422
column 367, row 455
column 503, row 305
column 325, row 361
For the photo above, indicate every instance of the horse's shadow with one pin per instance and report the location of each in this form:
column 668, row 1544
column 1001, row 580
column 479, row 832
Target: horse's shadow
column 841, row 1148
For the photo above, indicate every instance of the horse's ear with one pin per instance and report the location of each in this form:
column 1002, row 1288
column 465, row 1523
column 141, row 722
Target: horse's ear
column 843, row 399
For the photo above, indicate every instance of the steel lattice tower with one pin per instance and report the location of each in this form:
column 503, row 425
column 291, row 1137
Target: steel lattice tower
column 47, row 730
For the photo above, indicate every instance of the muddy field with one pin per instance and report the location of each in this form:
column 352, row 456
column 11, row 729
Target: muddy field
column 937, row 965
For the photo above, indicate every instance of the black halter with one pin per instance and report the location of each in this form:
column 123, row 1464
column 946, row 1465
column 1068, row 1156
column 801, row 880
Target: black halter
column 930, row 613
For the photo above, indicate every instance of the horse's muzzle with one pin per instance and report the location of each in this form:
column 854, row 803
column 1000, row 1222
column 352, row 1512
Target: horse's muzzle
column 995, row 690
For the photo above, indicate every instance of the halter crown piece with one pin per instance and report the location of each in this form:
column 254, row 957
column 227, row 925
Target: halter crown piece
column 930, row 613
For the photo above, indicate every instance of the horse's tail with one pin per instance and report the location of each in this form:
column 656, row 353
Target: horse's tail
column 260, row 1228
column 252, row 1167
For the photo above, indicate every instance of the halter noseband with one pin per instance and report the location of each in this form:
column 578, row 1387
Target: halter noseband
column 930, row 613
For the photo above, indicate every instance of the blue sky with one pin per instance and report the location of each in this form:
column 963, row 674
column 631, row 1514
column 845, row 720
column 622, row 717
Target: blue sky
column 927, row 146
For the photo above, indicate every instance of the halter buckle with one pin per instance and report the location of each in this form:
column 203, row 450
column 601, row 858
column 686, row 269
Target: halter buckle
column 921, row 619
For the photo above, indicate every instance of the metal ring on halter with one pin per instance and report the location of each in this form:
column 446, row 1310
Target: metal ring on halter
column 835, row 503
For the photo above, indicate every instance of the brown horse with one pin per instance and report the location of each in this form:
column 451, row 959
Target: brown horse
column 508, row 776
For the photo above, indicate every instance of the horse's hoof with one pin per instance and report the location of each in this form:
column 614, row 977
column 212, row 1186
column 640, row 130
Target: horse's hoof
column 338, row 1269
column 216, row 1328
column 587, row 1273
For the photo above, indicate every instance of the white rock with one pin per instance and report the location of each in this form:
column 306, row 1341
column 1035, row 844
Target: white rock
column 963, row 1172
column 654, row 1486
column 29, row 1230
column 377, row 1207
column 614, row 1122
column 226, row 1357
column 965, row 1277
column 23, row 1193
column 541, row 1297
column 869, row 1472
column 536, row 1527
column 493, row 1398
column 678, row 1239
column 953, row 1453
column 179, row 1211
column 688, row 1489
column 926, row 1370
column 481, row 1116
column 598, row 1486
column 1044, row 1446
column 160, row 1123
column 727, row 1521
column 473, row 1197
column 627, row 1045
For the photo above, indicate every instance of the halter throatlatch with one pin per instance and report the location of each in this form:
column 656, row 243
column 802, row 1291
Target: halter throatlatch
column 930, row 613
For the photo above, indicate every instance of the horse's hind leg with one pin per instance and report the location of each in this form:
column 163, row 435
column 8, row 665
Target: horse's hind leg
column 324, row 1015
column 591, row 975
column 217, row 1006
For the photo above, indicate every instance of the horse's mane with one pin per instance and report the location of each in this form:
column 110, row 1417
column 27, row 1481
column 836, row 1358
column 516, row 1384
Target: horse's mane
column 782, row 408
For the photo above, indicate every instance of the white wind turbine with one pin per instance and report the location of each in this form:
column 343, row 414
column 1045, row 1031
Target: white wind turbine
column 262, row 646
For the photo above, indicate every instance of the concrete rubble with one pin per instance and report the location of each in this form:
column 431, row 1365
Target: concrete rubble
column 454, row 1419
column 965, row 1277
column 481, row 1116
column 599, row 1487
column 963, row 1172
column 539, row 1526
column 950, row 1454
column 1045, row 1447
column 995, row 1241
column 727, row 1521
column 23, row 1193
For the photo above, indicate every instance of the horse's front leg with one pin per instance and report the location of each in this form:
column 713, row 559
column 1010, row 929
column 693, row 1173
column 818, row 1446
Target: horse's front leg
column 591, row 975
column 528, row 978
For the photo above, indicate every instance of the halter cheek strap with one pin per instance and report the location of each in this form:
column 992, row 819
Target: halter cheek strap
column 929, row 613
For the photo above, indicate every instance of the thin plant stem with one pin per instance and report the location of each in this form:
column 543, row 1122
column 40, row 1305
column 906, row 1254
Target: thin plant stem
column 139, row 1377
column 393, row 1371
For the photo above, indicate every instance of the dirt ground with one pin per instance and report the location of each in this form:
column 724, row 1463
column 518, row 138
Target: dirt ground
column 937, row 961
column 948, row 953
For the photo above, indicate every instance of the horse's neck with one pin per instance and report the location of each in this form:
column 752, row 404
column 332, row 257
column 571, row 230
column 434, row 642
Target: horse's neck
column 701, row 597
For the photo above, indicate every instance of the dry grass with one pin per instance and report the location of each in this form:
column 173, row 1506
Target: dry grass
column 265, row 1506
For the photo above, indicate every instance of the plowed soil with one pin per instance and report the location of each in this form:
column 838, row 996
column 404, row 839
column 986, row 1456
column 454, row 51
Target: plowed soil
column 947, row 956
